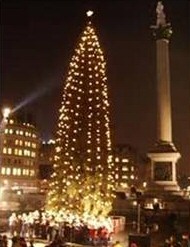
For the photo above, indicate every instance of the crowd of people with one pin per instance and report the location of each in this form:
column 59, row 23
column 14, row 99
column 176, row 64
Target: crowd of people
column 40, row 225
column 16, row 242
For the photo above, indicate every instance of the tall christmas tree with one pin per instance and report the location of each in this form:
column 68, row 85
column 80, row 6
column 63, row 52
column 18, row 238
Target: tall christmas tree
column 82, row 182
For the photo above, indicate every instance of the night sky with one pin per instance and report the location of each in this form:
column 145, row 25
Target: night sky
column 38, row 38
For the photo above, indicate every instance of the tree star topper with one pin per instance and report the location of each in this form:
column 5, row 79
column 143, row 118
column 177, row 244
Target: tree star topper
column 89, row 13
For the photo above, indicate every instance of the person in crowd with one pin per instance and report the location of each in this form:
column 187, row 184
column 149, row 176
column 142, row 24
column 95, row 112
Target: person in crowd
column 22, row 242
column 15, row 241
column 5, row 241
column 1, row 241
column 13, row 224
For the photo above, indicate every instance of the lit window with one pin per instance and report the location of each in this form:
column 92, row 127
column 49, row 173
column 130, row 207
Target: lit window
column 117, row 159
column 20, row 152
column 34, row 145
column 124, row 185
column 125, row 160
column 132, row 168
column 16, row 142
column 3, row 170
column 9, row 150
column 6, row 131
column 21, row 132
column 11, row 121
column 10, row 131
column 14, row 171
column 18, row 171
column 8, row 171
column 33, row 154
column 4, row 150
column 21, row 142
column 16, row 151
column 124, row 168
column 132, row 176
column 124, row 177
column 31, row 172
column 26, row 133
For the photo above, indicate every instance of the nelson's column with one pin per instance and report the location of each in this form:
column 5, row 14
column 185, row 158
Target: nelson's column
column 164, row 155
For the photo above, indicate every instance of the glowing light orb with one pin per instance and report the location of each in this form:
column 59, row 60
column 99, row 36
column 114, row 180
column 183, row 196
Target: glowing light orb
column 6, row 111
column 89, row 13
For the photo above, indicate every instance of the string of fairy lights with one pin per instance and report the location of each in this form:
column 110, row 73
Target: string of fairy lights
column 83, row 171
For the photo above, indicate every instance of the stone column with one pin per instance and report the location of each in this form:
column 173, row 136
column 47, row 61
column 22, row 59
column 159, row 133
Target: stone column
column 164, row 124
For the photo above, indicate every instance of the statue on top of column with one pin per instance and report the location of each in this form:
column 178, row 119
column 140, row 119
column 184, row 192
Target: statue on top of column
column 161, row 17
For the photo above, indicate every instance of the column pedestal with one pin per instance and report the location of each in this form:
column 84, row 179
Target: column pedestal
column 163, row 168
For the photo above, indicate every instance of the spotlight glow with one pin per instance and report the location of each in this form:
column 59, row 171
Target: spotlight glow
column 6, row 112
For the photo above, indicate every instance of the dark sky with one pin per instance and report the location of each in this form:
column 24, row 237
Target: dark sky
column 38, row 38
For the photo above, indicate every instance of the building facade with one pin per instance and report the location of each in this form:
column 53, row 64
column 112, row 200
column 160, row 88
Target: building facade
column 46, row 157
column 126, row 167
column 19, row 154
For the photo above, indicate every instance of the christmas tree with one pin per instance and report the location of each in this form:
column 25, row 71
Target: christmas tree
column 82, row 182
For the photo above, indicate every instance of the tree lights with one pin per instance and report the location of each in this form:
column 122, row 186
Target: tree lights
column 82, row 182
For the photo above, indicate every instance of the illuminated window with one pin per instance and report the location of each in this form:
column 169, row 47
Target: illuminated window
column 33, row 154
column 31, row 172
column 4, row 150
column 20, row 152
column 132, row 176
column 124, row 185
column 3, row 170
column 117, row 159
column 124, row 168
column 16, row 142
column 124, row 177
column 11, row 121
column 21, row 142
column 14, row 171
column 6, row 131
column 9, row 150
column 132, row 168
column 10, row 131
column 8, row 171
column 16, row 151
column 29, row 144
column 125, row 160
column 17, row 132
column 18, row 171
column 116, row 176
column 21, row 132
column 26, row 133
column 34, row 145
